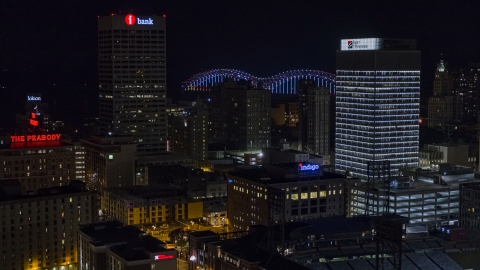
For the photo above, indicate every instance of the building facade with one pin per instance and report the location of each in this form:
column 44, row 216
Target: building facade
column 109, row 161
column 377, row 104
column 188, row 133
column 470, row 205
column 40, row 231
column 241, row 115
column 307, row 194
column 318, row 121
column 149, row 205
column 444, row 107
column 132, row 79
column 37, row 161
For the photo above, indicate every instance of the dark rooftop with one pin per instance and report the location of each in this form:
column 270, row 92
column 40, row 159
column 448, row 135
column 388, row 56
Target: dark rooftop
column 261, row 176
column 129, row 242
column 75, row 186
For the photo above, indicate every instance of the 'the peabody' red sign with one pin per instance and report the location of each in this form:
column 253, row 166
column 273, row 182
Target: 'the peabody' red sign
column 163, row 257
column 35, row 138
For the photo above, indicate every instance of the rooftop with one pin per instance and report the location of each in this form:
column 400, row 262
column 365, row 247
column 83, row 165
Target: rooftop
column 128, row 242
column 7, row 194
column 147, row 192
column 261, row 176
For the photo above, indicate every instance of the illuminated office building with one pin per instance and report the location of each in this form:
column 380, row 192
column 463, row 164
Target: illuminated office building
column 132, row 83
column 377, row 104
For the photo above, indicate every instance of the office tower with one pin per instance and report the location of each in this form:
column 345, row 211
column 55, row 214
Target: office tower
column 35, row 119
column 111, row 245
column 444, row 107
column 109, row 161
column 466, row 85
column 37, row 161
column 318, row 121
column 40, row 231
column 241, row 115
column 188, row 132
column 377, row 104
column 132, row 82
column 469, row 202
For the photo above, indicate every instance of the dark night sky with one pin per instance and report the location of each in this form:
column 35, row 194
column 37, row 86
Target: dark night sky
column 43, row 43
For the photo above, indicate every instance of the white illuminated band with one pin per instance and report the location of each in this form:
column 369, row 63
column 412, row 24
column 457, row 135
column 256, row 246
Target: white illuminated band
column 33, row 98
column 148, row 21
column 309, row 167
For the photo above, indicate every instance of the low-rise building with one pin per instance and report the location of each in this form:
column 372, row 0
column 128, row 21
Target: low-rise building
column 149, row 204
column 113, row 246
column 303, row 191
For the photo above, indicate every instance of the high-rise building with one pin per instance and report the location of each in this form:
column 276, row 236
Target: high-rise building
column 188, row 132
column 444, row 107
column 466, row 85
column 377, row 104
column 469, row 203
column 318, row 121
column 109, row 161
column 40, row 231
column 241, row 115
column 132, row 79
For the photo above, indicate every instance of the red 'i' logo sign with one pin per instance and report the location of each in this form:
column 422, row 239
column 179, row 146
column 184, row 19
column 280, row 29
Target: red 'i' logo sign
column 130, row 19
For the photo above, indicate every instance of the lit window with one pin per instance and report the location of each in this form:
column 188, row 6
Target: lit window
column 294, row 197
column 313, row 195
column 323, row 194
column 304, row 195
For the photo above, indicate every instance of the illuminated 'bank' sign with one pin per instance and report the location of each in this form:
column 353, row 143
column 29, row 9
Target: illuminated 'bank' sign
column 131, row 20
column 162, row 257
column 35, row 138
column 308, row 167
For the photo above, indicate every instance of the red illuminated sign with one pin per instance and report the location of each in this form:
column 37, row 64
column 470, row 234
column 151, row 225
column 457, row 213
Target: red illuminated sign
column 163, row 257
column 35, row 138
column 130, row 19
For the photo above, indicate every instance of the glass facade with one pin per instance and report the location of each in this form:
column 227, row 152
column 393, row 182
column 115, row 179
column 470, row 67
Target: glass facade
column 377, row 114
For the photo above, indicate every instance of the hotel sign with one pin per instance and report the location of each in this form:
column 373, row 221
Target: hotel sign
column 162, row 257
column 35, row 138
column 308, row 167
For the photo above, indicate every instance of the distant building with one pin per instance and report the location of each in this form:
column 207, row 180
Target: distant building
column 316, row 139
column 149, row 204
column 37, row 161
column 444, row 153
column 466, row 85
column 377, row 104
column 470, row 206
column 308, row 192
column 285, row 113
column 109, row 161
column 215, row 213
column 444, row 107
column 188, row 132
column 132, row 79
column 79, row 161
column 285, row 155
column 40, row 231
column 112, row 246
column 241, row 115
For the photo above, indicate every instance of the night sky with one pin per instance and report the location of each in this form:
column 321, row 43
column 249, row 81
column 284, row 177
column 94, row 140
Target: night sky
column 43, row 43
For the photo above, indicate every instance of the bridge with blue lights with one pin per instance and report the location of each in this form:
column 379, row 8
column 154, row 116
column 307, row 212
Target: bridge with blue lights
column 282, row 83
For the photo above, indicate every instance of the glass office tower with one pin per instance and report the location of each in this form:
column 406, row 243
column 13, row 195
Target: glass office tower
column 377, row 104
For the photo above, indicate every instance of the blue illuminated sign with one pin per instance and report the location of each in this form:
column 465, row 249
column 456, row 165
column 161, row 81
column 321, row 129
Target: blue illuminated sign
column 230, row 180
column 148, row 21
column 308, row 167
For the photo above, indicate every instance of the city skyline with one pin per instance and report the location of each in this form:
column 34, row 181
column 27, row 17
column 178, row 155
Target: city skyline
column 51, row 47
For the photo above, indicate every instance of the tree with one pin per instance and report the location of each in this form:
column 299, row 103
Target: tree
column 181, row 242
